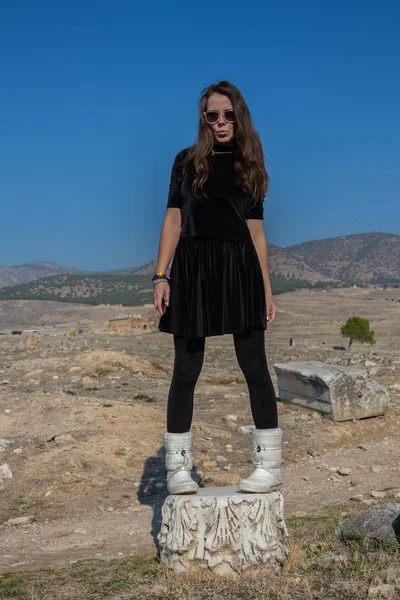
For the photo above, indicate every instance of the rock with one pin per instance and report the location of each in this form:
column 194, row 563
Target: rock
column 340, row 393
column 4, row 442
column 75, row 369
column 344, row 471
column 369, row 502
column 376, row 469
column 385, row 590
column 357, row 498
column 323, row 467
column 369, row 363
column 4, row 382
column 246, row 428
column 375, row 494
column 223, row 530
column 316, row 417
column 364, row 447
column 64, row 438
column 303, row 418
column 313, row 452
column 20, row 521
column 231, row 418
column 5, row 472
column 222, row 459
column 382, row 523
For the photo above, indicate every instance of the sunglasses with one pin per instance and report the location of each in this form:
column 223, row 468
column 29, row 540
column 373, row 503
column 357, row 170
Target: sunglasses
column 212, row 116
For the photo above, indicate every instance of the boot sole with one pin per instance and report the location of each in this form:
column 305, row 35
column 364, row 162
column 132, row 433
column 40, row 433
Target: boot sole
column 182, row 491
column 253, row 490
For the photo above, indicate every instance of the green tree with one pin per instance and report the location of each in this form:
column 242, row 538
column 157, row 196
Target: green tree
column 358, row 329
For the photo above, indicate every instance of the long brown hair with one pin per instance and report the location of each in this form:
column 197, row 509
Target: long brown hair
column 249, row 158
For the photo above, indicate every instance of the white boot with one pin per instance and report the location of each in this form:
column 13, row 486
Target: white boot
column 179, row 463
column 267, row 460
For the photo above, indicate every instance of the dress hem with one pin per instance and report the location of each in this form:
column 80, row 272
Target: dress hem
column 230, row 332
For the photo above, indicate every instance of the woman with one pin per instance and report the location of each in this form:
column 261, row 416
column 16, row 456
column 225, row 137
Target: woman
column 219, row 281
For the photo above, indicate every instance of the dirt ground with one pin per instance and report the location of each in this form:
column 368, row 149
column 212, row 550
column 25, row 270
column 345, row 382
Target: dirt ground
column 82, row 418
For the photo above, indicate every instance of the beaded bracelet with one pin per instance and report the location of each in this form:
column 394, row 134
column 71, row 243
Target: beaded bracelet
column 160, row 280
column 160, row 274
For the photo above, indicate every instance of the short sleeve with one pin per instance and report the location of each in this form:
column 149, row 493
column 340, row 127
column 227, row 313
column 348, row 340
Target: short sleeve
column 257, row 212
column 174, row 194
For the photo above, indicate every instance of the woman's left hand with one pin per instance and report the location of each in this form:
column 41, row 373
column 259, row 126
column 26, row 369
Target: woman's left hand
column 271, row 309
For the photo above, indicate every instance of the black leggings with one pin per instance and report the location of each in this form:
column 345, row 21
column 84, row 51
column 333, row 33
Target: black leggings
column 250, row 352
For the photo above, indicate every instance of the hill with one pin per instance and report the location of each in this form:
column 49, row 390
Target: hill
column 359, row 259
column 35, row 270
column 128, row 290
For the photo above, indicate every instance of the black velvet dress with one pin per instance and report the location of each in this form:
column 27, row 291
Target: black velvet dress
column 216, row 280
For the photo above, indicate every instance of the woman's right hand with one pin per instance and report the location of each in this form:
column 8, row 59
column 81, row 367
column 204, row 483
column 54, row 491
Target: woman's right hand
column 161, row 292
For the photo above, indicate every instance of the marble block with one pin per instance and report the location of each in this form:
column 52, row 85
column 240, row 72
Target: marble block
column 340, row 393
column 223, row 529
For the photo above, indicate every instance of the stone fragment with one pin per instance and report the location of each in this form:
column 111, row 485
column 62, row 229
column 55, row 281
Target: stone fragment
column 313, row 452
column 5, row 442
column 344, row 471
column 385, row 590
column 20, row 521
column 64, row 438
column 323, row 467
column 75, row 369
column 376, row 494
column 5, row 472
column 382, row 523
column 231, row 418
column 340, row 393
column 357, row 498
column 246, row 428
column 303, row 418
column 376, row 469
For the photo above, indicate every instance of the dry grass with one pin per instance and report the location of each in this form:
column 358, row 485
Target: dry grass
column 320, row 566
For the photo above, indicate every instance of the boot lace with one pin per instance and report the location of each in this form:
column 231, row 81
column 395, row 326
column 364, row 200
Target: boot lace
column 185, row 459
column 254, row 455
column 184, row 463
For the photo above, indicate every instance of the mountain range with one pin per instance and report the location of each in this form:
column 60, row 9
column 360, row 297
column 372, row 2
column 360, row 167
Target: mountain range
column 363, row 258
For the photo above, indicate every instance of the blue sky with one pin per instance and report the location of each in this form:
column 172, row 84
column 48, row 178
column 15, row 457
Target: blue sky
column 98, row 97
